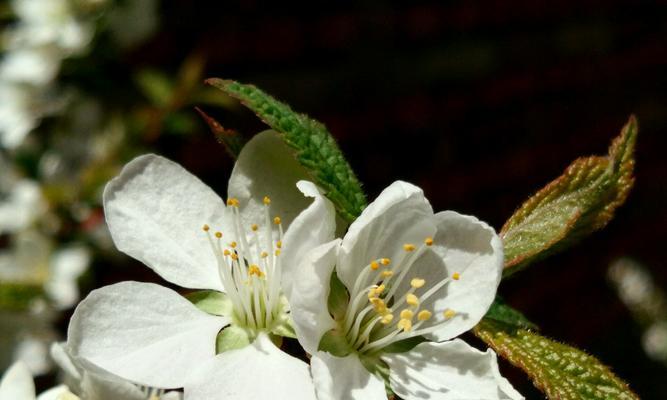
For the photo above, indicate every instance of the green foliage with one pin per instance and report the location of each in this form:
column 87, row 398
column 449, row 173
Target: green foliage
column 315, row 148
column 212, row 302
column 580, row 201
column 231, row 338
column 338, row 299
column 335, row 343
column 562, row 372
column 501, row 312
column 18, row 297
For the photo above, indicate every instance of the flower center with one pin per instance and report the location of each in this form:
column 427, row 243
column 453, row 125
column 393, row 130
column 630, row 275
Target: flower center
column 249, row 268
column 378, row 315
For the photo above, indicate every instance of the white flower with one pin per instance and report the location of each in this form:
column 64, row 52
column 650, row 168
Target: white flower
column 20, row 111
column 409, row 274
column 165, row 217
column 17, row 384
column 21, row 200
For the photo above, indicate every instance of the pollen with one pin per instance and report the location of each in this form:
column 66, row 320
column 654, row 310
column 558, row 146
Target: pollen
column 409, row 247
column 218, row 235
column 276, row 220
column 232, row 245
column 226, row 252
column 417, row 283
column 277, row 253
column 254, row 227
column 428, row 241
column 374, row 265
column 253, row 269
column 206, row 228
column 386, row 319
column 424, row 315
column 387, row 274
column 380, row 289
column 264, row 254
column 267, row 200
column 233, row 202
column 407, row 314
column 405, row 325
column 234, row 256
column 412, row 300
column 279, row 244
column 385, row 261
column 449, row 313
column 456, row 276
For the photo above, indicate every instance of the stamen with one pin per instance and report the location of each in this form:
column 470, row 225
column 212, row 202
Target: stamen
column 385, row 261
column 404, row 325
column 449, row 313
column 428, row 241
column 267, row 200
column 375, row 265
column 264, row 254
column 233, row 202
column 387, row 274
column 456, row 276
column 406, row 314
column 387, row 318
column 206, row 228
column 218, row 235
column 424, row 315
column 277, row 252
column 417, row 283
column 254, row 227
column 277, row 220
column 233, row 245
column 279, row 244
column 412, row 300
column 409, row 247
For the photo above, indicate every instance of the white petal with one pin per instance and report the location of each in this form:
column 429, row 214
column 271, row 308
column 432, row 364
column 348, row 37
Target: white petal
column 344, row 378
column 55, row 393
column 95, row 386
column 155, row 210
column 17, row 383
column 267, row 167
column 308, row 302
column 471, row 248
column 65, row 268
column 258, row 371
column 143, row 332
column 451, row 370
column 314, row 226
column 399, row 215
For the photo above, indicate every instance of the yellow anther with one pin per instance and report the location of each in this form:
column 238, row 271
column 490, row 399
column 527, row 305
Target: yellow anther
column 385, row 261
column 218, row 235
column 387, row 273
column 412, row 300
column 253, row 269
column 279, row 244
column 254, row 227
column 264, row 254
column 380, row 289
column 267, row 200
column 226, row 252
column 276, row 220
column 232, row 245
column 424, row 315
column 277, row 252
column 374, row 265
column 206, row 228
column 407, row 314
column 428, row 241
column 234, row 256
column 387, row 318
column 371, row 294
column 405, row 325
column 377, row 303
column 449, row 313
column 456, row 276
column 408, row 247
column 233, row 202
column 417, row 283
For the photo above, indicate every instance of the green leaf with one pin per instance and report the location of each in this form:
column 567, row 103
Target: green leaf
column 501, row 312
column 229, row 138
column 335, row 343
column 19, row 297
column 231, row 338
column 156, row 86
column 284, row 328
column 562, row 372
column 403, row 345
column 212, row 302
column 315, row 147
column 580, row 201
column 338, row 297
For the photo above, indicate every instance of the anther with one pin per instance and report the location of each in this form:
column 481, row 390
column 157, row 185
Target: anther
column 276, row 220
column 408, row 247
column 385, row 261
column 405, row 325
column 424, row 315
column 279, row 244
column 412, row 300
column 267, row 200
column 449, row 313
column 232, row 245
column 387, row 318
column 380, row 289
column 277, row 252
column 253, row 269
column 374, row 265
column 233, row 202
column 407, row 314
column 254, row 227
column 226, row 252
column 386, row 274
column 264, row 254
column 218, row 235
column 417, row 283
column 206, row 228
column 456, row 276
column 428, row 241
column 234, row 256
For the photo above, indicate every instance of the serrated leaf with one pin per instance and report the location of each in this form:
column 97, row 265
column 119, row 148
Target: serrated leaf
column 580, row 201
column 334, row 343
column 231, row 140
column 501, row 312
column 560, row 371
column 212, row 302
column 315, row 147
column 338, row 299
column 231, row 338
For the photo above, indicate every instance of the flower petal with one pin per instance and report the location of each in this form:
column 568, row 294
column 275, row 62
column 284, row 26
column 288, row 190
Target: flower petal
column 258, row 371
column 308, row 301
column 451, row 370
column 155, row 210
column 17, row 383
column 56, row 393
column 314, row 226
column 134, row 330
column 267, row 167
column 472, row 249
column 343, row 378
column 401, row 214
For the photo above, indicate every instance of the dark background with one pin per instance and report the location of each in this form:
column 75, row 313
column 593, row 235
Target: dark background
column 481, row 103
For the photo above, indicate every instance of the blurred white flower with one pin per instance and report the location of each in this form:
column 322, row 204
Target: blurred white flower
column 17, row 384
column 33, row 66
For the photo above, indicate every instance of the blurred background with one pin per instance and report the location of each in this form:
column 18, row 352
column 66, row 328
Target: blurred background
column 481, row 103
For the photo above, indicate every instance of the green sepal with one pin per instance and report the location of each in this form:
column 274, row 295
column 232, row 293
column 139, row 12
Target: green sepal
column 501, row 312
column 284, row 328
column 335, row 343
column 315, row 148
column 376, row 366
column 231, row 338
column 403, row 346
column 212, row 302
column 339, row 297
column 580, row 201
